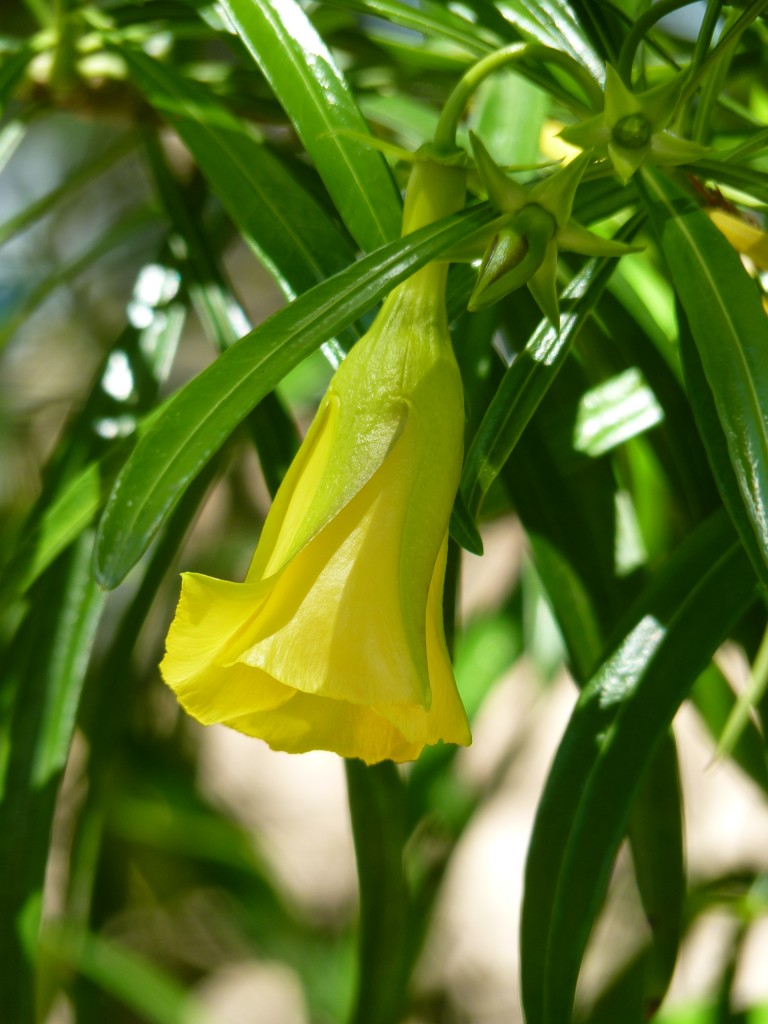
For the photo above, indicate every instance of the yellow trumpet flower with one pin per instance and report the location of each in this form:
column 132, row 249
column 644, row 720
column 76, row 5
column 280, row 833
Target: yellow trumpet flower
column 335, row 639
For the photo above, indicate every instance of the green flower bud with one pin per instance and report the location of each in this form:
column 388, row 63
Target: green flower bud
column 632, row 131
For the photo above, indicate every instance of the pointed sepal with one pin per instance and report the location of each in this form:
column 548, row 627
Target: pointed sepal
column 543, row 286
column 575, row 237
column 504, row 194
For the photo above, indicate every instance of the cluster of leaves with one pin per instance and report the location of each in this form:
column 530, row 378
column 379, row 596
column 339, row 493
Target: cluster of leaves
column 630, row 437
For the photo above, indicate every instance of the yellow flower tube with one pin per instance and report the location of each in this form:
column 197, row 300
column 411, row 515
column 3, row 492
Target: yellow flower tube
column 335, row 640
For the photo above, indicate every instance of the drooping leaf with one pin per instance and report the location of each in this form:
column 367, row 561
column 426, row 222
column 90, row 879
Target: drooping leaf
column 288, row 229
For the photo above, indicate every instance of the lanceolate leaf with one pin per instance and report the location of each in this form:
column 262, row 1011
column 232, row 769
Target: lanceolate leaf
column 552, row 22
column 711, row 432
column 730, row 330
column 433, row 19
column 614, row 731
column 288, row 229
column 316, row 97
column 202, row 415
column 567, row 507
column 45, row 669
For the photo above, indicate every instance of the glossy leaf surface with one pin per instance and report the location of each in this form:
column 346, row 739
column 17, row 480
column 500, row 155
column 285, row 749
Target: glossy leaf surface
column 318, row 100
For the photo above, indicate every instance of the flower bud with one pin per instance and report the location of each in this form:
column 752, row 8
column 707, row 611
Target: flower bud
column 335, row 639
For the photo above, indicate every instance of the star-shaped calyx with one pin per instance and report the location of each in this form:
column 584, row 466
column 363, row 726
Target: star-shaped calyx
column 535, row 224
column 632, row 128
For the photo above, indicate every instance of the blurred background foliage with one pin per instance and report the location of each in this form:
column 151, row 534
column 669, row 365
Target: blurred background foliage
column 172, row 173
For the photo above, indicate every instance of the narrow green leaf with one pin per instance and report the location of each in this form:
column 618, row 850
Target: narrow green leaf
column 567, row 504
column 223, row 318
column 614, row 731
column 431, row 18
column 715, row 701
column 377, row 807
column 568, row 508
column 553, row 23
column 716, row 446
column 69, row 513
column 203, row 414
column 526, row 382
column 290, row 232
column 69, row 187
column 316, row 97
column 656, row 837
column 746, row 179
column 730, row 330
column 43, row 676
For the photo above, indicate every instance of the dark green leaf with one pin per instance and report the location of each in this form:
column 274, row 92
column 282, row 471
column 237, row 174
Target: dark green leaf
column 553, row 23
column 287, row 228
column 656, row 838
column 615, row 729
column 730, row 330
column 316, row 97
column 716, row 445
column 43, row 676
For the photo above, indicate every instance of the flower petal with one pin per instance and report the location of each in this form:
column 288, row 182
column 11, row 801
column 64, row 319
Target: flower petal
column 341, row 598
column 376, row 733
column 210, row 616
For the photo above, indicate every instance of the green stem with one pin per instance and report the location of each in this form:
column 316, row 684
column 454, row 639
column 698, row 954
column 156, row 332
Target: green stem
column 445, row 133
column 706, row 32
column 377, row 808
column 712, row 86
column 640, row 29
column 747, row 149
